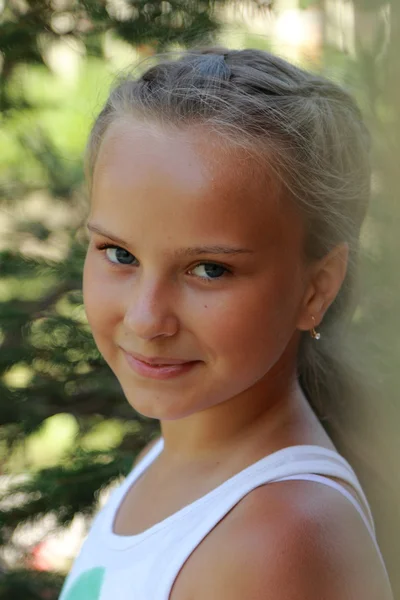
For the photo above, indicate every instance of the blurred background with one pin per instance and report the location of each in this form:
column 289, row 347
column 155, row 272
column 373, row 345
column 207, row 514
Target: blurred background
column 67, row 435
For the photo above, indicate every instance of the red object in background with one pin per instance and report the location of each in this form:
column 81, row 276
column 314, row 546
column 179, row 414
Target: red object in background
column 39, row 559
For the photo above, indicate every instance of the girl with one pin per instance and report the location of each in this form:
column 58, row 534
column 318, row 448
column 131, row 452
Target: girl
column 228, row 189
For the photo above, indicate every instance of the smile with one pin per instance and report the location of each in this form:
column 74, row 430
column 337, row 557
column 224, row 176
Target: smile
column 158, row 371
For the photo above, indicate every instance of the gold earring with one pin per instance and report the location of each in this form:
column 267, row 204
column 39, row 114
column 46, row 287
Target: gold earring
column 314, row 334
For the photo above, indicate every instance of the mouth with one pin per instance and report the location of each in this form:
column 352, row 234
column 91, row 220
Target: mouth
column 157, row 361
column 159, row 368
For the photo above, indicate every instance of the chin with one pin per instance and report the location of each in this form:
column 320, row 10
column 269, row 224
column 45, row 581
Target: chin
column 154, row 405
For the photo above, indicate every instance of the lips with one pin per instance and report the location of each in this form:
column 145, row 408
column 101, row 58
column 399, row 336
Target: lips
column 158, row 361
column 158, row 370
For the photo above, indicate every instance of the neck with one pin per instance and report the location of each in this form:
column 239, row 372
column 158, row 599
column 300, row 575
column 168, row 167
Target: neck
column 270, row 415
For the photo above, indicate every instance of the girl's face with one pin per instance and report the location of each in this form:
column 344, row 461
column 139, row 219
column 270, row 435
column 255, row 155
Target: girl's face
column 203, row 264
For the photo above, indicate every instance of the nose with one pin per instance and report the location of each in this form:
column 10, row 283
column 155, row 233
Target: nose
column 149, row 313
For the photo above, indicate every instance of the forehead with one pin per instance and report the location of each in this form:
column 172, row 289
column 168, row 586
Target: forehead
column 185, row 180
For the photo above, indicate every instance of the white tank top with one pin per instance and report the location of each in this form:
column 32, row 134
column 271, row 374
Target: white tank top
column 145, row 566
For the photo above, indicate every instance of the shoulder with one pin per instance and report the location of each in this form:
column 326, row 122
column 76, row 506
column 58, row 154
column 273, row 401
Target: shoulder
column 294, row 540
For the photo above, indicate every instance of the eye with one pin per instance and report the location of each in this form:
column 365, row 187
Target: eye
column 212, row 271
column 117, row 255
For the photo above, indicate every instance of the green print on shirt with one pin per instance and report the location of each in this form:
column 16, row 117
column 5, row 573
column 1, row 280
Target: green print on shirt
column 87, row 586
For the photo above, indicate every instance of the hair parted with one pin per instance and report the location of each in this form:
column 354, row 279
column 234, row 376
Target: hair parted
column 305, row 129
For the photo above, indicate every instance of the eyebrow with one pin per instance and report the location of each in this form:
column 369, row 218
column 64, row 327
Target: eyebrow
column 190, row 251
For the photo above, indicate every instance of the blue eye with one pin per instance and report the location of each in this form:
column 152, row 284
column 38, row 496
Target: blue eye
column 118, row 255
column 213, row 271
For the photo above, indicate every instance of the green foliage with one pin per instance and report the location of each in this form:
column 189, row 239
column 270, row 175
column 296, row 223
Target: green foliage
column 304, row 4
column 164, row 23
column 64, row 490
column 30, row 585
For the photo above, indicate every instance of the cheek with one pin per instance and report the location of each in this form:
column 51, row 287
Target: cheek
column 256, row 323
column 244, row 327
column 100, row 300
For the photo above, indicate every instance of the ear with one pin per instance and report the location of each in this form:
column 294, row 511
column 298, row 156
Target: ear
column 325, row 279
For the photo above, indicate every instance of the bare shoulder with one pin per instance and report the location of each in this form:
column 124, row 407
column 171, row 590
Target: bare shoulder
column 292, row 540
